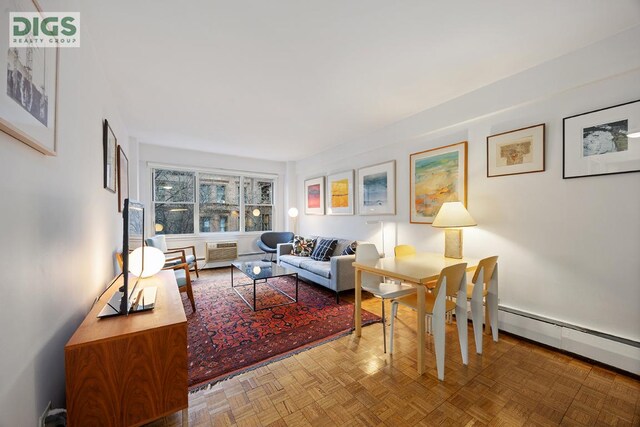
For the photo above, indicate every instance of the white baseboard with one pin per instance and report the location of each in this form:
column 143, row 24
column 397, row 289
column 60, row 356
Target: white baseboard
column 610, row 350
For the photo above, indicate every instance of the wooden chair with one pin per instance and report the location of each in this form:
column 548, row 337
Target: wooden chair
column 181, row 271
column 484, row 288
column 371, row 283
column 160, row 242
column 452, row 281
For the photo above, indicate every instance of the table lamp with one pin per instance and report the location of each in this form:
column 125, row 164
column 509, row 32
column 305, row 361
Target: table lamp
column 452, row 216
column 153, row 261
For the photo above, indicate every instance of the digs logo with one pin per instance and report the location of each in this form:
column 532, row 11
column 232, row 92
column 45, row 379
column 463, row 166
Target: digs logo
column 50, row 29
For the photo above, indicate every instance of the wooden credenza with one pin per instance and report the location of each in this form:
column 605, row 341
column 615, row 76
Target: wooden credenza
column 129, row 370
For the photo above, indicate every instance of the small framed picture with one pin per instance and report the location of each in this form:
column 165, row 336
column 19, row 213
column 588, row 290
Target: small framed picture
column 123, row 178
column 314, row 196
column 340, row 193
column 516, row 152
column 377, row 189
column 109, row 146
column 602, row 142
column 438, row 175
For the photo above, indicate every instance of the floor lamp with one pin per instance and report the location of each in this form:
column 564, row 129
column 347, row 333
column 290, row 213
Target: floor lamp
column 293, row 214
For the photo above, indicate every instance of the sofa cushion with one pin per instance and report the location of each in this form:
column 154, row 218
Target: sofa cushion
column 303, row 246
column 350, row 249
column 292, row 259
column 324, row 249
column 342, row 243
column 321, row 268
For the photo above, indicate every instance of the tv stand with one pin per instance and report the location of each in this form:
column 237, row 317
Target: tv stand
column 129, row 370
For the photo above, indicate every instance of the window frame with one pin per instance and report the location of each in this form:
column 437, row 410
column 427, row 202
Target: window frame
column 196, row 208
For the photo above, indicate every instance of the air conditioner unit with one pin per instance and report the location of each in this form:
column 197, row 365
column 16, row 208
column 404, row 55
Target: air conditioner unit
column 221, row 251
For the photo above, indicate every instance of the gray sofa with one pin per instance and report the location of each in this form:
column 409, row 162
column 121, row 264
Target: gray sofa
column 336, row 274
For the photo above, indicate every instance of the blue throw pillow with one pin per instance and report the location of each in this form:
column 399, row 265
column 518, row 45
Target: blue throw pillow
column 323, row 250
column 351, row 249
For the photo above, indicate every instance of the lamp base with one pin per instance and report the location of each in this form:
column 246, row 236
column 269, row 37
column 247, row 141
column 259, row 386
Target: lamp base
column 453, row 243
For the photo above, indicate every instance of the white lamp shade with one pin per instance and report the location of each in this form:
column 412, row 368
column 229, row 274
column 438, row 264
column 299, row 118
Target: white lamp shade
column 293, row 212
column 153, row 261
column 453, row 214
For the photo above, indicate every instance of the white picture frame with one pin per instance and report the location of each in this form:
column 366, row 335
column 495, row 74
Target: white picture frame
column 339, row 193
column 314, row 196
column 377, row 189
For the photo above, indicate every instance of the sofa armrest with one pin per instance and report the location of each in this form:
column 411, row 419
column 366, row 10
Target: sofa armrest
column 342, row 272
column 284, row 249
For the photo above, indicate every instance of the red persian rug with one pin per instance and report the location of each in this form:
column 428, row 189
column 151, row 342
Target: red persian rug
column 225, row 337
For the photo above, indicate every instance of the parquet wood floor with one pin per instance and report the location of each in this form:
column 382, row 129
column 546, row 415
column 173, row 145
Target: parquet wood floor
column 351, row 382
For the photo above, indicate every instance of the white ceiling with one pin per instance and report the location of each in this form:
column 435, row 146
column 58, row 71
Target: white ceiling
column 285, row 79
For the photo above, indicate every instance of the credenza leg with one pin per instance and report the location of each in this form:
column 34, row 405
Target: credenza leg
column 185, row 417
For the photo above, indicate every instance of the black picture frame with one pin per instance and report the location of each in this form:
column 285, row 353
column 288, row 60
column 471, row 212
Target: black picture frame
column 593, row 143
column 123, row 178
column 109, row 147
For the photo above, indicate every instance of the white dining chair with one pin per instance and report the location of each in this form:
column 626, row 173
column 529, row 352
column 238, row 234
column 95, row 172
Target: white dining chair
column 451, row 282
column 484, row 288
column 376, row 286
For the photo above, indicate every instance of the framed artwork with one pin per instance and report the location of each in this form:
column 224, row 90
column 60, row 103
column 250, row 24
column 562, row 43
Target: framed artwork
column 123, row 178
column 377, row 189
column 515, row 152
column 438, row 175
column 29, row 90
column 109, row 147
column 314, row 196
column 598, row 143
column 340, row 193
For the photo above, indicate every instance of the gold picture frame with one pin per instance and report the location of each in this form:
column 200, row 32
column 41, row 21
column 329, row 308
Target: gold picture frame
column 436, row 176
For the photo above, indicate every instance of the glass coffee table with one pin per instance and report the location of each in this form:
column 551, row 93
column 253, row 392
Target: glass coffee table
column 261, row 271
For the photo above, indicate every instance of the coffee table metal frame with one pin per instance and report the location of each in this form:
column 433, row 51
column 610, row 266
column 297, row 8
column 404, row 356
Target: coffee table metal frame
column 283, row 272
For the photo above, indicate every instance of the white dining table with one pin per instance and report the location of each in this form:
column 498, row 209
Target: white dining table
column 417, row 269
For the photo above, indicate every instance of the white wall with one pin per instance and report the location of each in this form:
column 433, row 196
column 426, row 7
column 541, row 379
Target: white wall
column 569, row 249
column 150, row 154
column 60, row 231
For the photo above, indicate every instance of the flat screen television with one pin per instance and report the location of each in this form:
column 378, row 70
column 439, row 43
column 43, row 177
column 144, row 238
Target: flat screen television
column 132, row 238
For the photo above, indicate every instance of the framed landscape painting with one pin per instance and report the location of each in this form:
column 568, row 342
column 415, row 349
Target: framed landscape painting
column 314, row 196
column 340, row 193
column 438, row 175
column 600, row 142
column 29, row 88
column 516, row 152
column 377, row 189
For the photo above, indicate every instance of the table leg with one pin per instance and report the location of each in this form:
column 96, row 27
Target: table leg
column 232, row 267
column 185, row 417
column 254, row 294
column 357, row 319
column 420, row 290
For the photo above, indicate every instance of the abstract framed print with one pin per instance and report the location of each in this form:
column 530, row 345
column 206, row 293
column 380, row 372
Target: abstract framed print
column 377, row 189
column 314, row 196
column 516, row 152
column 438, row 175
column 340, row 193
column 602, row 142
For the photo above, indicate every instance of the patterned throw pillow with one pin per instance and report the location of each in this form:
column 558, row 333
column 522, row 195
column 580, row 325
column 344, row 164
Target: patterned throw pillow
column 323, row 250
column 351, row 249
column 302, row 246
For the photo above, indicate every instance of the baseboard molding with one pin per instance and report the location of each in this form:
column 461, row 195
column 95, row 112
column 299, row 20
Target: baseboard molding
column 605, row 348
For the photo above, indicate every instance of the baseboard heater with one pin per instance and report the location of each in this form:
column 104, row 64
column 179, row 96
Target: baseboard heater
column 609, row 349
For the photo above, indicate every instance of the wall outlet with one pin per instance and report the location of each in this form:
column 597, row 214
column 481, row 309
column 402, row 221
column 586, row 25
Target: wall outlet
column 44, row 415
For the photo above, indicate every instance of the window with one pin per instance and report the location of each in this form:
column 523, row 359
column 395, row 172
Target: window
column 219, row 201
column 174, row 198
column 224, row 203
